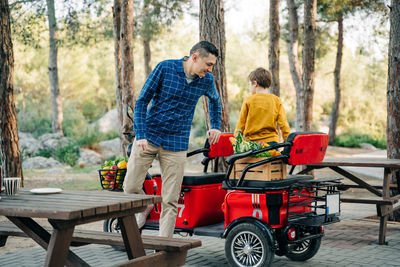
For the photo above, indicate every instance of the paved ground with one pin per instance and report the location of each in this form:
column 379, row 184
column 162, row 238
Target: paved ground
column 352, row 242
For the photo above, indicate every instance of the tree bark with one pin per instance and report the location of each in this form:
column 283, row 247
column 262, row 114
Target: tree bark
column 125, row 87
column 57, row 114
column 212, row 29
column 146, row 42
column 117, row 59
column 336, row 104
column 310, row 11
column 273, row 54
column 9, row 139
column 147, row 56
column 393, row 92
column 295, row 69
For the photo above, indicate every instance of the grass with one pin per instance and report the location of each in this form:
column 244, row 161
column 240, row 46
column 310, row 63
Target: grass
column 71, row 179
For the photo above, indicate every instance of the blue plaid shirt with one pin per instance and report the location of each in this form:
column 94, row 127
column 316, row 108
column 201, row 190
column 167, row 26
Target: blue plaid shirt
column 168, row 121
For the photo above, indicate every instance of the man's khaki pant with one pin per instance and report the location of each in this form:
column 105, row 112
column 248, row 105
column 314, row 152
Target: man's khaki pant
column 172, row 167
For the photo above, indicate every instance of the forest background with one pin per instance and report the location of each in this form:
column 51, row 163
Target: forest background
column 87, row 73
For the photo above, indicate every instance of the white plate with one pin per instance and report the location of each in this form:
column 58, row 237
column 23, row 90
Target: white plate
column 46, row 190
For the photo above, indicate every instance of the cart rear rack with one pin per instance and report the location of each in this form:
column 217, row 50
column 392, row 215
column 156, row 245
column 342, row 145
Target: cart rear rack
column 318, row 202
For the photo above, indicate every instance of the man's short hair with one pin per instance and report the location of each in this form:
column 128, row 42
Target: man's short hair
column 261, row 76
column 204, row 48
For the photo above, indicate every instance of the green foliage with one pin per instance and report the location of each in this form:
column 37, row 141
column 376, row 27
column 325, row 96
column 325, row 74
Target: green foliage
column 68, row 154
column 44, row 153
column 354, row 139
column 92, row 136
column 155, row 16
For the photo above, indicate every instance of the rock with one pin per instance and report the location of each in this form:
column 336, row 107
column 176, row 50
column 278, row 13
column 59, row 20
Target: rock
column 40, row 163
column 88, row 157
column 368, row 146
column 29, row 145
column 110, row 147
column 109, row 122
column 53, row 141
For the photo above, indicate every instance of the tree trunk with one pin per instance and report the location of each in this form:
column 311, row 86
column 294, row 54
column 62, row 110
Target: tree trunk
column 57, row 115
column 295, row 70
column 10, row 150
column 273, row 54
column 125, row 88
column 310, row 11
column 147, row 56
column 335, row 107
column 393, row 92
column 212, row 29
column 146, row 36
column 117, row 59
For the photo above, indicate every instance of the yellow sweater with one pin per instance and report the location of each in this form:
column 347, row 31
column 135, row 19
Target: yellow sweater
column 259, row 116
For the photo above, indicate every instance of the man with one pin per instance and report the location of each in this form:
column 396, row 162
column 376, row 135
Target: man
column 174, row 88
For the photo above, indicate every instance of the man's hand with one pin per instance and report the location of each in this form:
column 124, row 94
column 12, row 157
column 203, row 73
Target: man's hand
column 213, row 136
column 143, row 144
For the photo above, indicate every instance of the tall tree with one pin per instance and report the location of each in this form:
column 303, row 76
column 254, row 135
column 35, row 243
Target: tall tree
column 9, row 140
column 212, row 29
column 336, row 11
column 273, row 54
column 57, row 114
column 393, row 90
column 124, row 66
column 153, row 16
column 336, row 74
column 310, row 12
column 295, row 69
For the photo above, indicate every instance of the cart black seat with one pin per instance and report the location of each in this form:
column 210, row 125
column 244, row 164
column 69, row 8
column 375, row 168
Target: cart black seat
column 270, row 185
column 203, row 178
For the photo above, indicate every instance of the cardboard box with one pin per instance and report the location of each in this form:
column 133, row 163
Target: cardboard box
column 275, row 170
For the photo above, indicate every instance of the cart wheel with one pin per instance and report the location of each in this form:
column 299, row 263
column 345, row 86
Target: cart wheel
column 304, row 250
column 247, row 245
column 111, row 225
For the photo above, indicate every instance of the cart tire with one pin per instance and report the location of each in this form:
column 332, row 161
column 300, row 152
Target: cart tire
column 111, row 226
column 305, row 250
column 247, row 245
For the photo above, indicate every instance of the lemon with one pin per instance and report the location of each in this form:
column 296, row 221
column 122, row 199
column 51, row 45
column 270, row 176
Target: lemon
column 122, row 164
column 105, row 172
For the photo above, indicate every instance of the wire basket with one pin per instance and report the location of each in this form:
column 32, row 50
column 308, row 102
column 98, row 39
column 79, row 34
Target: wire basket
column 112, row 179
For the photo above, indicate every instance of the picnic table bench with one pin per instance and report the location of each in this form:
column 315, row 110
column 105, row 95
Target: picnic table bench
column 70, row 208
column 385, row 204
column 175, row 247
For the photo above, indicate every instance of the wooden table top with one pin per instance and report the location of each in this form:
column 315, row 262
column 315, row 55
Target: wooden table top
column 359, row 162
column 69, row 205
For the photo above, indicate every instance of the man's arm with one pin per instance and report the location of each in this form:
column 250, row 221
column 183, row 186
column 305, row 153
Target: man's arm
column 143, row 100
column 215, row 114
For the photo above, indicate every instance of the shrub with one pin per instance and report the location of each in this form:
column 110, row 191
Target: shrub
column 91, row 136
column 68, row 154
column 355, row 139
column 43, row 153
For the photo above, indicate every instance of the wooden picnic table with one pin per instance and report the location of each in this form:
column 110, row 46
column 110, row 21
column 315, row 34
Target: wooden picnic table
column 385, row 203
column 67, row 209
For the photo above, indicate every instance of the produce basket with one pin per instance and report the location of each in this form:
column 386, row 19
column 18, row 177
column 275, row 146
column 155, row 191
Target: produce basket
column 112, row 179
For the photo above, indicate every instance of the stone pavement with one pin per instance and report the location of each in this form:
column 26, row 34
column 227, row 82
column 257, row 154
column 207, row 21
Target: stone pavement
column 351, row 242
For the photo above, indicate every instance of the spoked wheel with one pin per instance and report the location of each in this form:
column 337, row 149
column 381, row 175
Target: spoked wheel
column 112, row 226
column 304, row 250
column 247, row 245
